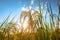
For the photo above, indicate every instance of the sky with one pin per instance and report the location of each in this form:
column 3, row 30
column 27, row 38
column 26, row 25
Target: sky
column 14, row 7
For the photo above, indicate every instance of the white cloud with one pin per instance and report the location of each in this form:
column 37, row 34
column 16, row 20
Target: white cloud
column 32, row 2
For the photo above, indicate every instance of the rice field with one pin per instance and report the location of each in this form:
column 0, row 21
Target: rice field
column 32, row 25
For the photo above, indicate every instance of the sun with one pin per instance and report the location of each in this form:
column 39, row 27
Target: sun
column 25, row 25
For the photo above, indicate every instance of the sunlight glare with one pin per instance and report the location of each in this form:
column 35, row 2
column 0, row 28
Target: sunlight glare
column 25, row 25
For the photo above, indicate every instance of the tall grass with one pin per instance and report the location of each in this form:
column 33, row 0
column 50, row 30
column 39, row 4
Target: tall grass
column 38, row 28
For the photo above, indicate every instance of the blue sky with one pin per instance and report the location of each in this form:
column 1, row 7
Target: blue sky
column 14, row 7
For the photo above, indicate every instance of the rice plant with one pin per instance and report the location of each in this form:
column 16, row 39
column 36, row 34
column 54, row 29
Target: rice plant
column 33, row 25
